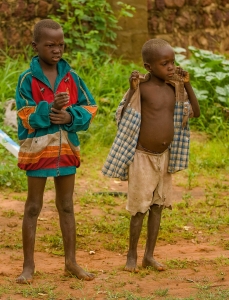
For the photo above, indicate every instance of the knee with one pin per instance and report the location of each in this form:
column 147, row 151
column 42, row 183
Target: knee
column 65, row 207
column 33, row 209
column 137, row 219
column 156, row 209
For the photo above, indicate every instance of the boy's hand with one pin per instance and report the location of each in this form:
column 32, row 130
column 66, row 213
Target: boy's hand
column 60, row 116
column 134, row 80
column 60, row 100
column 183, row 75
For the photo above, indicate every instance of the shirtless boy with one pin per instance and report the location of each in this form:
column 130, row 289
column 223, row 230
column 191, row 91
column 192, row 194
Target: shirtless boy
column 147, row 147
column 53, row 103
column 149, row 188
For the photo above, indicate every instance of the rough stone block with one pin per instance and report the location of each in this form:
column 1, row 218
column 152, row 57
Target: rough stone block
column 5, row 10
column 206, row 2
column 207, row 21
column 192, row 2
column 174, row 3
column 1, row 40
column 160, row 4
column 218, row 17
column 149, row 5
column 226, row 20
column 153, row 24
column 42, row 9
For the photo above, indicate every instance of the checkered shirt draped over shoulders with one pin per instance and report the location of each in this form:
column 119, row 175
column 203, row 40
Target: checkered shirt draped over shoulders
column 122, row 152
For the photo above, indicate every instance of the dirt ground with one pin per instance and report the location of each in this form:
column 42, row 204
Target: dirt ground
column 111, row 281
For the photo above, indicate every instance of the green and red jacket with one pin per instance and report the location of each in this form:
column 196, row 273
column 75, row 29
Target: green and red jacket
column 47, row 149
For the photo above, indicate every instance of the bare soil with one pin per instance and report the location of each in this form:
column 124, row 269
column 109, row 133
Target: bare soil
column 110, row 279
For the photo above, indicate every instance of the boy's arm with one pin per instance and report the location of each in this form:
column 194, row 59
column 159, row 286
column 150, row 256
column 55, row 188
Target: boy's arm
column 192, row 99
column 188, row 87
column 83, row 112
column 134, row 82
column 31, row 116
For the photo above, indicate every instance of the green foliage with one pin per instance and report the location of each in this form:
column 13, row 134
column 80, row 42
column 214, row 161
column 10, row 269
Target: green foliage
column 90, row 26
column 210, row 79
column 10, row 175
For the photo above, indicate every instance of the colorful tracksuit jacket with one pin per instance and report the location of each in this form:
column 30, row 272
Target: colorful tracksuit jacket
column 48, row 149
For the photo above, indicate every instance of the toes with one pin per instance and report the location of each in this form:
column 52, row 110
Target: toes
column 132, row 270
column 23, row 280
column 80, row 275
column 89, row 278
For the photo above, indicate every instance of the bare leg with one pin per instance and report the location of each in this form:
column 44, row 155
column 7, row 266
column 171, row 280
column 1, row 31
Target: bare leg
column 153, row 226
column 135, row 230
column 64, row 203
column 32, row 210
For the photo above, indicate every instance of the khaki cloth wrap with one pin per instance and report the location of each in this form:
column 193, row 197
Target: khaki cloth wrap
column 149, row 182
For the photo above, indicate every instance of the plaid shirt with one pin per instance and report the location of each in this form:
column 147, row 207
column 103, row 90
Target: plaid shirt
column 122, row 151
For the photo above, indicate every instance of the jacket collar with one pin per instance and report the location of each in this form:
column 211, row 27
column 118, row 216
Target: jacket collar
column 62, row 68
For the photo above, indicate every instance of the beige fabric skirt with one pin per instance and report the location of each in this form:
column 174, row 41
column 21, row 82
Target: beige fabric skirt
column 149, row 182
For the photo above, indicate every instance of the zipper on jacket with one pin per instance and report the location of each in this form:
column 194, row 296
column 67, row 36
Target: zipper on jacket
column 58, row 159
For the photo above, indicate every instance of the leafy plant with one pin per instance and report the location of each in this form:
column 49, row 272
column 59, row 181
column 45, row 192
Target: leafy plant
column 210, row 79
column 90, row 26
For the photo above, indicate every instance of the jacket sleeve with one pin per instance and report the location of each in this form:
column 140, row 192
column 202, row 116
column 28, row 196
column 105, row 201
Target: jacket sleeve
column 30, row 115
column 84, row 110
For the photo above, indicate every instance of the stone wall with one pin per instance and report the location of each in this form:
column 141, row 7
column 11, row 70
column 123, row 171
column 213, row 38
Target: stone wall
column 134, row 32
column 17, row 18
column 201, row 23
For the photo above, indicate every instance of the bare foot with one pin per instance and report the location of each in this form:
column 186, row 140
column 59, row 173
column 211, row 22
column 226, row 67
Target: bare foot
column 77, row 271
column 152, row 263
column 131, row 265
column 26, row 276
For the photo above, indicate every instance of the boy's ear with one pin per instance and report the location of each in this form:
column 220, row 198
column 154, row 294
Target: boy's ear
column 34, row 46
column 147, row 67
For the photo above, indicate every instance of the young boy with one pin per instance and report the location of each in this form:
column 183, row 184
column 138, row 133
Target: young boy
column 53, row 103
column 152, row 142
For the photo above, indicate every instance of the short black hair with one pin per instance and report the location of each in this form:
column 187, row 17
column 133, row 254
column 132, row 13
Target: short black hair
column 43, row 24
column 151, row 47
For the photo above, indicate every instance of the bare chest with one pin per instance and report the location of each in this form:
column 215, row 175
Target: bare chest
column 51, row 78
column 157, row 100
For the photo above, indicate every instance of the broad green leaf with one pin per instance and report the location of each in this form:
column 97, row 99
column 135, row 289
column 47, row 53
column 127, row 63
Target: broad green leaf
column 222, row 91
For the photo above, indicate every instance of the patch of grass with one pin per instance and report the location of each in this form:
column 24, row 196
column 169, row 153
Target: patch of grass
column 20, row 198
column 127, row 295
column 213, row 293
column 177, row 264
column 222, row 261
column 161, row 292
column 37, row 291
column 100, row 199
column 8, row 213
column 10, row 175
column 54, row 243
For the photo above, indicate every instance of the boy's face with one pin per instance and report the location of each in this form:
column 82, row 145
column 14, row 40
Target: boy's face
column 162, row 64
column 50, row 46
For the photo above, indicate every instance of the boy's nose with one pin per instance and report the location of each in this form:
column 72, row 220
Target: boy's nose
column 56, row 49
column 171, row 66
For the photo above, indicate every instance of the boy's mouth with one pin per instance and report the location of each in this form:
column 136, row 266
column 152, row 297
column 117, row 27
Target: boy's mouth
column 56, row 57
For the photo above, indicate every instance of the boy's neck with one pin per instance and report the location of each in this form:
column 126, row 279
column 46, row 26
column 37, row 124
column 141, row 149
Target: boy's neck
column 157, row 81
column 48, row 68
